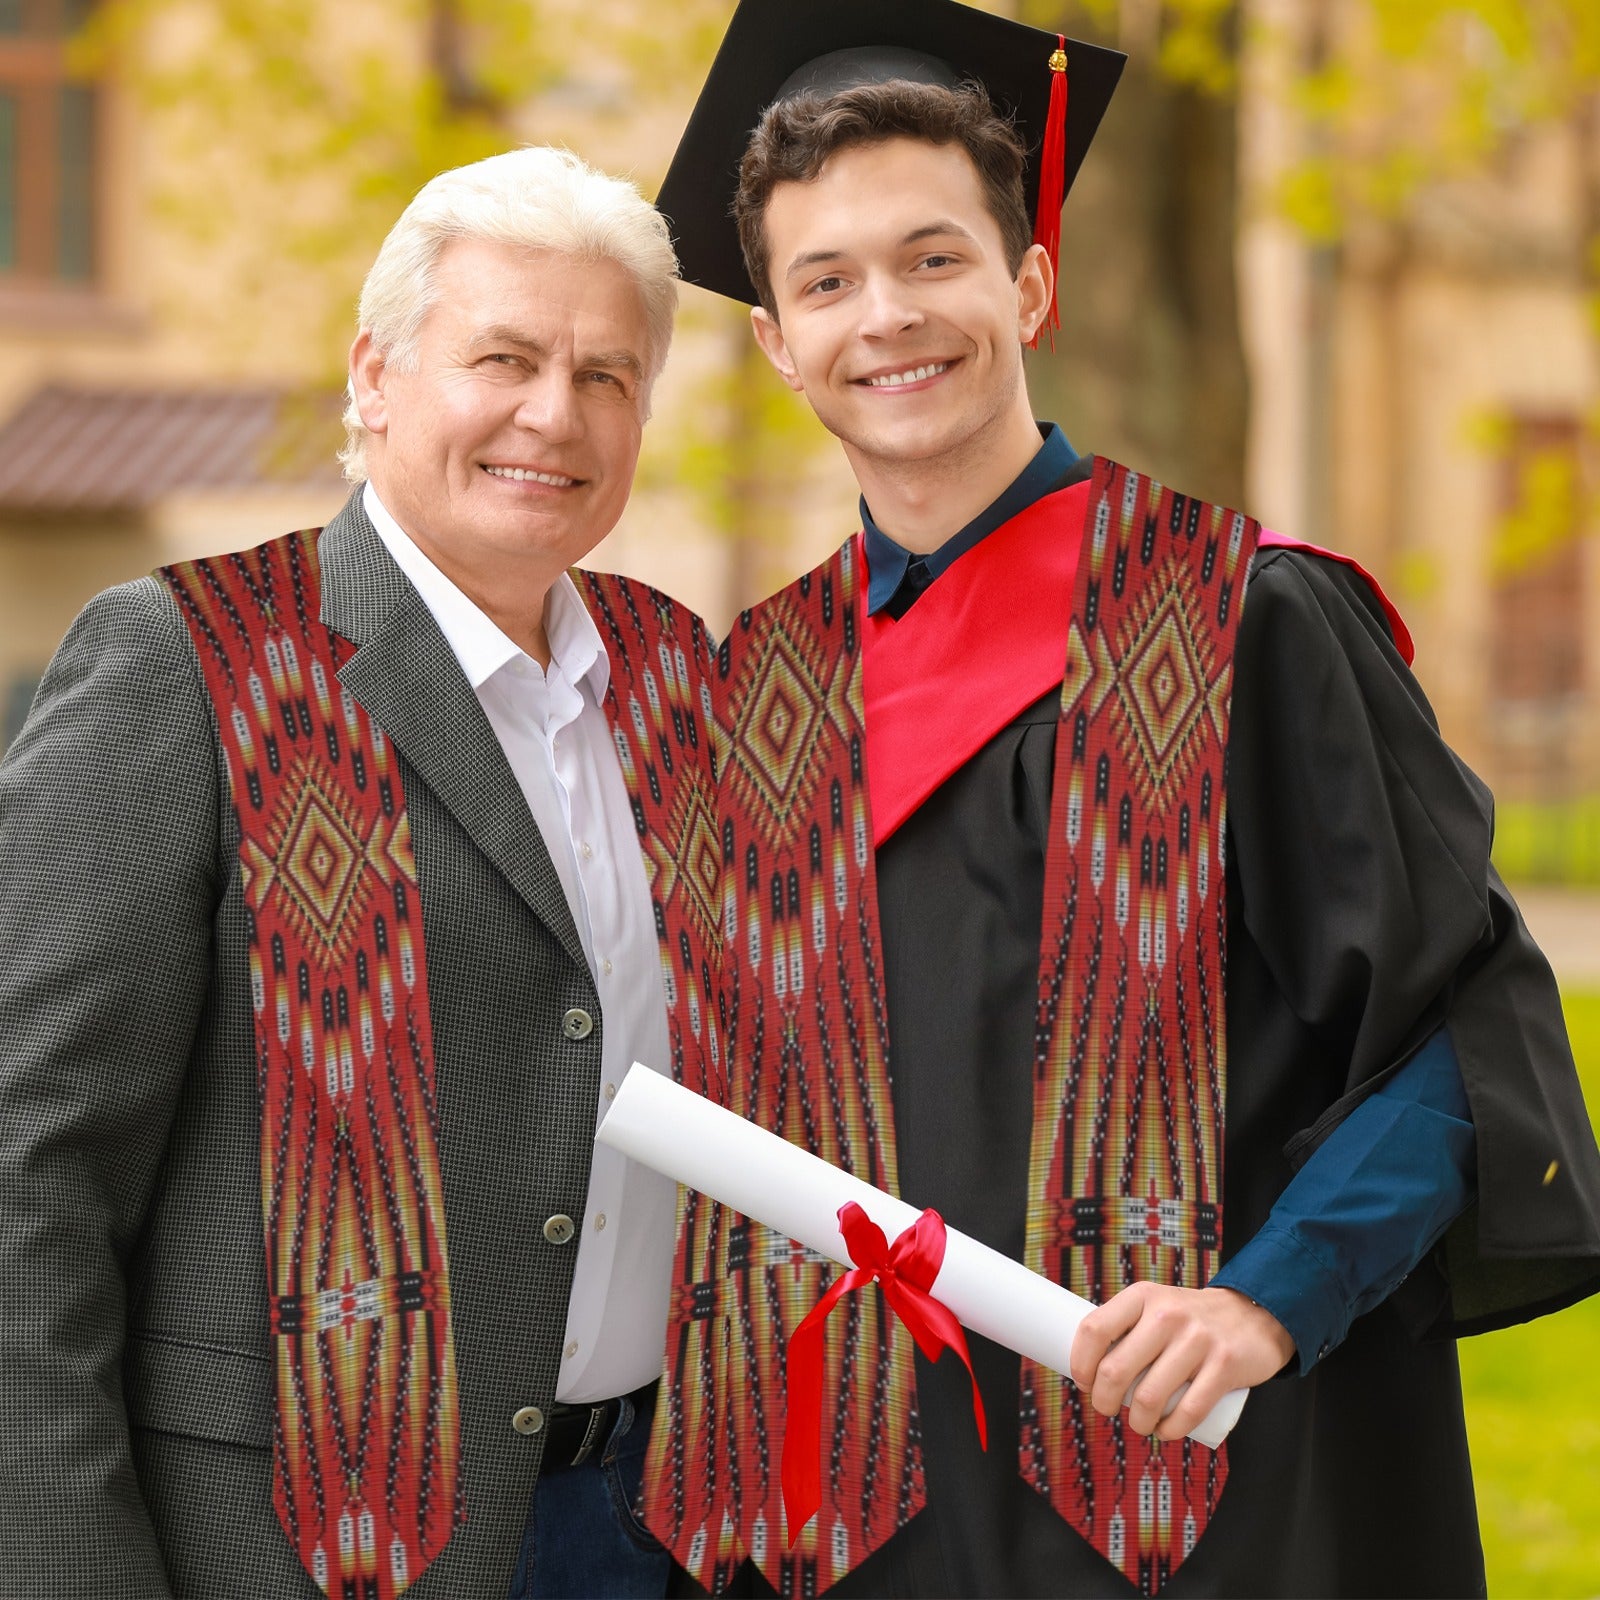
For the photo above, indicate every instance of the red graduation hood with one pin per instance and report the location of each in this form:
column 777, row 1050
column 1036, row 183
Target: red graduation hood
column 981, row 645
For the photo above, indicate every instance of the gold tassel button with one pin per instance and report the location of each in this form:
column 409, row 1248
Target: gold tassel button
column 1058, row 61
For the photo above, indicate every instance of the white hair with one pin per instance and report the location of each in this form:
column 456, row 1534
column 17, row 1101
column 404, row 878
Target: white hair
column 536, row 197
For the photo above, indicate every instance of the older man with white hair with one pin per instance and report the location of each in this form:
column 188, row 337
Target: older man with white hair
column 330, row 879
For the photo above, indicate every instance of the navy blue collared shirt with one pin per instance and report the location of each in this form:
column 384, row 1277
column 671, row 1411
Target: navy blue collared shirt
column 898, row 577
column 1379, row 1192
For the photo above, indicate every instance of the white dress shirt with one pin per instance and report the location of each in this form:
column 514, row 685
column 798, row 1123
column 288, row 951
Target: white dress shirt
column 555, row 735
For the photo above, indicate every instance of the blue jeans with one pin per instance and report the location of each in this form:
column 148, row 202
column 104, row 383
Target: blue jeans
column 583, row 1540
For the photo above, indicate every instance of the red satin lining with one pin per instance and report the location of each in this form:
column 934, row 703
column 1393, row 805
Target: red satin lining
column 1397, row 624
column 906, row 1270
column 981, row 645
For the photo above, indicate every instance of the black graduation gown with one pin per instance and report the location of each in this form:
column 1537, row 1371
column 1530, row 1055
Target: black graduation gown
column 1362, row 912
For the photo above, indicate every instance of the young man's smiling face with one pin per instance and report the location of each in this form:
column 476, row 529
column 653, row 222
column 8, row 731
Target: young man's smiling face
column 898, row 315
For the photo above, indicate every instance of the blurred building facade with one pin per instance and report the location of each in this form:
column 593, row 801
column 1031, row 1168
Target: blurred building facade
column 122, row 444
column 1422, row 394
column 161, row 400
column 1426, row 395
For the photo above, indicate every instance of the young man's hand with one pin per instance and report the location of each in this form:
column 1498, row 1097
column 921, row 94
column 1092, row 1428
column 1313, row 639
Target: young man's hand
column 1212, row 1339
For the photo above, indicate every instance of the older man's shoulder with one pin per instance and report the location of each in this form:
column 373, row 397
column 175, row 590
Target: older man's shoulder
column 131, row 631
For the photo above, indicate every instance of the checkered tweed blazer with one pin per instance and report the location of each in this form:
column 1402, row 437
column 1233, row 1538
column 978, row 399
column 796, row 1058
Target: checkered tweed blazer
column 135, row 1373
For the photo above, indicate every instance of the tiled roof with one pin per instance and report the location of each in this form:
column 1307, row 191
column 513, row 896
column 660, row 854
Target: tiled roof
column 83, row 450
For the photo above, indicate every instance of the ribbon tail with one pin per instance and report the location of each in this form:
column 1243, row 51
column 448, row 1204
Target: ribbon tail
column 801, row 1465
column 935, row 1328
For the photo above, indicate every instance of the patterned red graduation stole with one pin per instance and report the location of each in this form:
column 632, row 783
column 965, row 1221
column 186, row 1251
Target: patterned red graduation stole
column 1125, row 1177
column 366, row 1432
column 805, row 1056
column 659, row 705
column 1131, row 1009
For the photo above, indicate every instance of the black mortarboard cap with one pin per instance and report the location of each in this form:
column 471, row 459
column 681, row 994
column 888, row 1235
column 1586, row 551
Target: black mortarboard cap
column 777, row 48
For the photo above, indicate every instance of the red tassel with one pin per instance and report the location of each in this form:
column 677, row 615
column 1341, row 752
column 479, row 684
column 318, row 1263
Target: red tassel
column 1052, row 182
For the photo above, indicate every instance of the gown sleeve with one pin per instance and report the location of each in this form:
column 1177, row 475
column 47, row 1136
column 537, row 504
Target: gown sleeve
column 1360, row 849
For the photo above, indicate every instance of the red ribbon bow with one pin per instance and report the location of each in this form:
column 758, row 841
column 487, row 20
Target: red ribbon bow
column 906, row 1269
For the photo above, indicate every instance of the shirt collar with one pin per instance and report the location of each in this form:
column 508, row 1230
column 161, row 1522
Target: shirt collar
column 888, row 562
column 476, row 640
column 574, row 640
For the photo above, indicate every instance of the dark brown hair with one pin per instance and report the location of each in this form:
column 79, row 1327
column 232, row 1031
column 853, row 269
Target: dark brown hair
column 796, row 137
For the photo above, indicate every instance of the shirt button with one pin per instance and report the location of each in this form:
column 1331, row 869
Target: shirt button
column 611, row 1091
column 588, row 850
column 577, row 1023
column 600, row 1223
column 605, row 967
column 571, row 1350
column 559, row 1229
column 530, row 1419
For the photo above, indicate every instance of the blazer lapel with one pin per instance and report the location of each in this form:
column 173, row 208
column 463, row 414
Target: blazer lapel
column 405, row 675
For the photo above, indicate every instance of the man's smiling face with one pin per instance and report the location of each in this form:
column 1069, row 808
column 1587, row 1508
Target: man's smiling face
column 898, row 316
column 512, row 439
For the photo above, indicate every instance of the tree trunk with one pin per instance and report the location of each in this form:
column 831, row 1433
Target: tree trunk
column 1149, row 366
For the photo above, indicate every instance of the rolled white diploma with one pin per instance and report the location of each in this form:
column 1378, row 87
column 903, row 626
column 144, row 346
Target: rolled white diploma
column 675, row 1131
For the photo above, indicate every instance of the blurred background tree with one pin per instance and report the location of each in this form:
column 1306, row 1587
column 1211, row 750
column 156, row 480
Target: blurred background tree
column 1150, row 366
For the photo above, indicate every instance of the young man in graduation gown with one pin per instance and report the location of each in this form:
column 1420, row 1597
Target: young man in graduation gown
column 982, row 863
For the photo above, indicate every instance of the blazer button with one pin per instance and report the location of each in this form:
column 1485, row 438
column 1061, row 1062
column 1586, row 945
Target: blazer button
column 577, row 1023
column 559, row 1229
column 530, row 1419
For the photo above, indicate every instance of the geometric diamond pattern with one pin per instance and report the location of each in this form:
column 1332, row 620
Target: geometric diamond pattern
column 778, row 718
column 1164, row 686
column 319, row 860
column 694, row 860
column 1090, row 672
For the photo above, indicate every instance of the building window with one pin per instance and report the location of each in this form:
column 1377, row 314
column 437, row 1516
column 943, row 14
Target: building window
column 1540, row 633
column 1538, row 567
column 47, row 147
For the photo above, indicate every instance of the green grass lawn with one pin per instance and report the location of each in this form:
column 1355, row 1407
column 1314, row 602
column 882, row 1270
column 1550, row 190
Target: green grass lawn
column 1533, row 1414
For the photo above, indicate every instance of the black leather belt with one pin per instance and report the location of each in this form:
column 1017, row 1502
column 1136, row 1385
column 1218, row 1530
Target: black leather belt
column 575, row 1433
